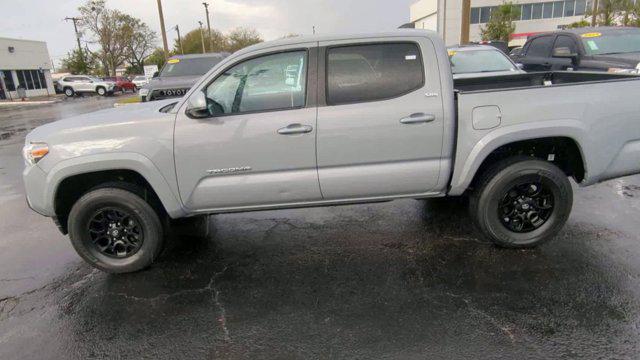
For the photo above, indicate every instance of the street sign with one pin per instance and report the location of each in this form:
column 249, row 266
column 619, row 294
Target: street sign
column 149, row 70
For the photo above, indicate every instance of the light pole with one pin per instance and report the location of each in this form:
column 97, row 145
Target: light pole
column 164, row 33
column 466, row 18
column 75, row 27
column 206, row 9
column 201, row 37
column 179, row 39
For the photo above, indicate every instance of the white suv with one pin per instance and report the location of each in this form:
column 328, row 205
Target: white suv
column 75, row 84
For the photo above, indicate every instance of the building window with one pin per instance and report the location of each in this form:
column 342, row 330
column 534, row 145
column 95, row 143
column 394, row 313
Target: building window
column 558, row 8
column 581, row 7
column 475, row 15
column 22, row 82
column 526, row 12
column 43, row 80
column 547, row 10
column 485, row 14
column 536, row 11
column 8, row 80
column 569, row 5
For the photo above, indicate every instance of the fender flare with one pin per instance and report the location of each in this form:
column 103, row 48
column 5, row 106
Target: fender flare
column 468, row 164
column 120, row 161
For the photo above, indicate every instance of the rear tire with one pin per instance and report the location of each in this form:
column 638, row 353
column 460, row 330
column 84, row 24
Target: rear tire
column 128, row 240
column 101, row 91
column 521, row 202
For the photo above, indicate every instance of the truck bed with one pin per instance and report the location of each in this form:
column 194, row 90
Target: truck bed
column 535, row 79
column 599, row 112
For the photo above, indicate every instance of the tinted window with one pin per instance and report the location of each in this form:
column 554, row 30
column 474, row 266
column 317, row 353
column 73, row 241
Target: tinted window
column 568, row 7
column 566, row 41
column 540, row 46
column 558, row 7
column 526, row 12
column 373, row 72
column 547, row 10
column 475, row 15
column 189, row 67
column 8, row 80
column 266, row 83
column 478, row 61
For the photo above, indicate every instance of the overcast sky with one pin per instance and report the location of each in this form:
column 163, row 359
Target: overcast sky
column 43, row 19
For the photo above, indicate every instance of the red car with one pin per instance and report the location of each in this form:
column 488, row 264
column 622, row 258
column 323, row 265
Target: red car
column 122, row 84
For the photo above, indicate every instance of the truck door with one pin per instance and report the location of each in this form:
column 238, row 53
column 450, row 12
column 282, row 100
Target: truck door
column 537, row 56
column 381, row 131
column 256, row 146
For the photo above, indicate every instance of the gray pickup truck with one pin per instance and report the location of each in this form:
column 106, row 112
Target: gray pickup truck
column 333, row 120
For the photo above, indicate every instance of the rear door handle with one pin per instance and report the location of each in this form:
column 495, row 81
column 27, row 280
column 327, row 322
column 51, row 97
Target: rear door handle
column 418, row 118
column 295, row 129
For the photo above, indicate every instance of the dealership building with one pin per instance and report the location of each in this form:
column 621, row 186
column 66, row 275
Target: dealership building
column 445, row 17
column 24, row 64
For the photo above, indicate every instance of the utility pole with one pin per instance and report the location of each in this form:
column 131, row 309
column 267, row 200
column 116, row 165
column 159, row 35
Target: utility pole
column 164, row 33
column 179, row 39
column 202, row 37
column 466, row 18
column 75, row 27
column 594, row 15
column 206, row 9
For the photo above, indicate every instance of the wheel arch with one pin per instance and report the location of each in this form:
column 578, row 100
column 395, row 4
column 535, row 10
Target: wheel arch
column 569, row 134
column 72, row 178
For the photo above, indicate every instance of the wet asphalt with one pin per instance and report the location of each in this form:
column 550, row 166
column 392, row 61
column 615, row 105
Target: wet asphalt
column 400, row 280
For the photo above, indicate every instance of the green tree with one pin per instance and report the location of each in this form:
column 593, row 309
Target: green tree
column 242, row 37
column 79, row 63
column 156, row 58
column 500, row 25
column 192, row 42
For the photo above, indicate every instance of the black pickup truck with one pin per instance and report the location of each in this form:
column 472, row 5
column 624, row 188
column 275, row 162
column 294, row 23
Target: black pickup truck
column 610, row 49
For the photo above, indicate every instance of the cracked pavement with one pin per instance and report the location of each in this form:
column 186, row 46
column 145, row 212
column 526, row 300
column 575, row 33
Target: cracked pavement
column 401, row 280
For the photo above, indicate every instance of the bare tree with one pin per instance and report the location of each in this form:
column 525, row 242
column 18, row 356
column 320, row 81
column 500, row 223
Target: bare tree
column 108, row 29
column 141, row 42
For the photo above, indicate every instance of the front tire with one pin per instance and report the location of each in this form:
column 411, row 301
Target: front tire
column 115, row 230
column 69, row 92
column 101, row 91
column 521, row 202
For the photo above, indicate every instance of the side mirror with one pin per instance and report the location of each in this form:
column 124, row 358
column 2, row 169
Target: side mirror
column 520, row 66
column 156, row 74
column 197, row 106
column 565, row 53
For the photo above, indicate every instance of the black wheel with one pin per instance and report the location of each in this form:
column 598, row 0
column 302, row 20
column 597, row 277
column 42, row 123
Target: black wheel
column 521, row 202
column 101, row 91
column 69, row 92
column 115, row 230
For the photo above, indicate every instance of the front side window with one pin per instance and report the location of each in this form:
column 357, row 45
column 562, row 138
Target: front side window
column 363, row 73
column 272, row 82
column 566, row 42
column 540, row 47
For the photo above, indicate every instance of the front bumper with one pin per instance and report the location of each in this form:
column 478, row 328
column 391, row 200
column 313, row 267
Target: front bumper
column 35, row 180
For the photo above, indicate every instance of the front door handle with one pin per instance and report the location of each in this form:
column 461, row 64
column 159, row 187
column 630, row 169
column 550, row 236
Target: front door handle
column 295, row 129
column 418, row 118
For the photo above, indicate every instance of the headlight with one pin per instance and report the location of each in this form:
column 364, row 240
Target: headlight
column 623, row 71
column 143, row 92
column 34, row 151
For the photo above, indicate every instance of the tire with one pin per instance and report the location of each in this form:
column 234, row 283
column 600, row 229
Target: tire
column 149, row 230
column 69, row 92
column 101, row 91
column 521, row 202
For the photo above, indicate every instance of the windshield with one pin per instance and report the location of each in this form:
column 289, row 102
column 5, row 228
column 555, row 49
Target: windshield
column 189, row 67
column 477, row 61
column 618, row 42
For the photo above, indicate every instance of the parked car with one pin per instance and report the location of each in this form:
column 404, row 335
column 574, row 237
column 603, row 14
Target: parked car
column 178, row 75
column 375, row 118
column 122, row 83
column 80, row 84
column 480, row 60
column 515, row 52
column 140, row 81
column 611, row 49
column 498, row 44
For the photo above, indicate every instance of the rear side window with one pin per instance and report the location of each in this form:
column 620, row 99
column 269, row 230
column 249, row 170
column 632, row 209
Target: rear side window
column 540, row 47
column 364, row 73
column 566, row 41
